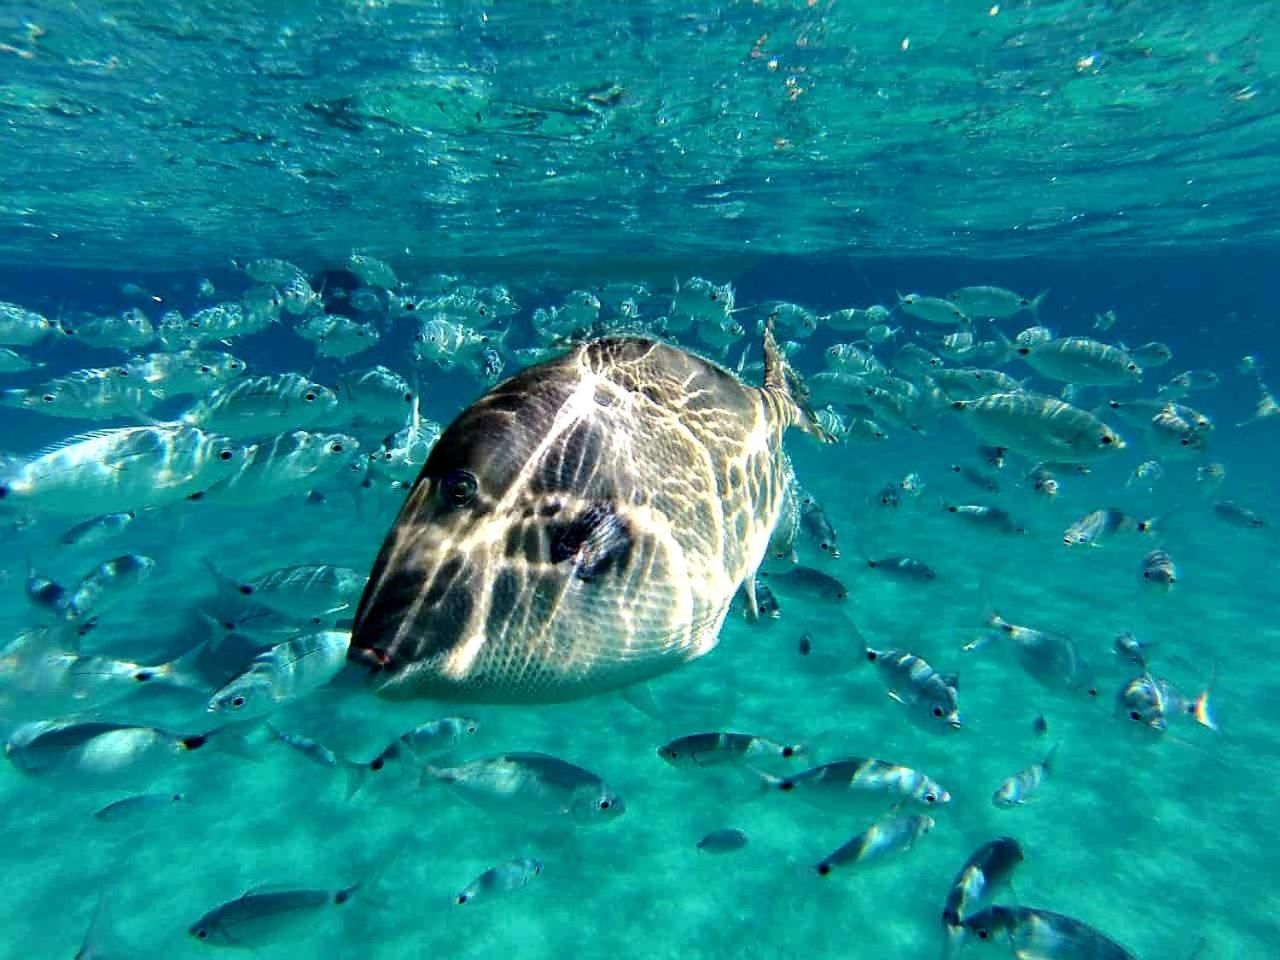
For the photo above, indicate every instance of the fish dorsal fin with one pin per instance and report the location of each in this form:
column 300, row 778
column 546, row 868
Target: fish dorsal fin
column 74, row 439
column 785, row 384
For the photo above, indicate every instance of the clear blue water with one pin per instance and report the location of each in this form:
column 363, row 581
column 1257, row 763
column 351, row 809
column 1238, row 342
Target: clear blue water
column 494, row 146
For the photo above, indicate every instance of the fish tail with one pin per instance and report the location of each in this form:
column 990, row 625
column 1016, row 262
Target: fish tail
column 374, row 874
column 1048, row 761
column 182, row 671
column 783, row 383
column 228, row 589
column 1034, row 306
column 1202, row 712
column 356, row 774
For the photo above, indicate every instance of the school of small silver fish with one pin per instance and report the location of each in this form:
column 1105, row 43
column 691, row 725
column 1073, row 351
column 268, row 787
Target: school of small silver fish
column 172, row 420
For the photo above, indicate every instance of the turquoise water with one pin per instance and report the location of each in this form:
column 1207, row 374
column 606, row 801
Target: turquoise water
column 1116, row 156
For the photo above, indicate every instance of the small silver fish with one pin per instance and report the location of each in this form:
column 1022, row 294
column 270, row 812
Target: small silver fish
column 880, row 842
column 257, row 406
column 306, row 590
column 995, row 303
column 20, row 327
column 286, row 672
column 975, row 477
column 987, row 518
column 716, row 749
column 815, row 524
column 97, row 530
column 987, row 869
column 265, row 916
column 141, row 804
column 372, row 271
column 1148, row 473
column 903, row 568
column 1024, row 784
column 808, row 583
column 532, row 784
column 724, row 840
column 932, row 309
column 1032, row 934
column 1097, row 526
column 1159, row 569
column 1051, row 659
column 840, row 783
column 1129, row 647
column 1149, row 702
column 93, row 753
column 503, row 878
column 854, row 319
column 427, row 740
column 108, row 584
column 290, row 464
column 931, row 697
column 1082, row 361
column 1238, row 516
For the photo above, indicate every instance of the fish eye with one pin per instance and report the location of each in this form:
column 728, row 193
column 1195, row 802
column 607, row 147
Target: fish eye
column 49, row 398
column 459, row 488
column 930, row 798
column 483, row 312
column 605, row 804
column 237, row 701
column 788, row 751
column 202, row 934
column 1107, row 440
column 225, row 455
column 937, row 711
column 984, row 934
column 335, row 447
column 408, row 398
column 1134, row 715
column 309, row 396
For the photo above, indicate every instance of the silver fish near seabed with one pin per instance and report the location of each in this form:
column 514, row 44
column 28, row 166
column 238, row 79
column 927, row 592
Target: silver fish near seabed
column 527, row 784
column 715, row 749
column 988, row 868
column 853, row 780
column 121, row 469
column 1159, row 570
column 931, row 697
column 1022, row 786
column 882, row 841
column 503, row 878
column 86, row 754
column 724, row 840
column 286, row 672
column 1032, row 934
column 304, row 591
column 427, row 740
column 582, row 527
column 1051, row 659
column 138, row 805
column 266, row 916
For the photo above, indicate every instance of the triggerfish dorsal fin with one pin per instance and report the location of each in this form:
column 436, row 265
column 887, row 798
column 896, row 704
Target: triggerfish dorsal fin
column 783, row 383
